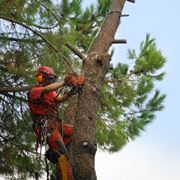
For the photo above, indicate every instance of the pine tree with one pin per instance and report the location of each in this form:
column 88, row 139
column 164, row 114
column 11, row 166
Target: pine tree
column 117, row 102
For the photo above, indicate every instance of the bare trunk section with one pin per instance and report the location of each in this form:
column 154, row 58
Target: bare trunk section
column 94, row 69
column 84, row 145
column 70, row 111
column 106, row 35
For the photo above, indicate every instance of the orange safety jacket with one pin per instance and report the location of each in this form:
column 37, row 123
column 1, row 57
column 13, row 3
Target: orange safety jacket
column 46, row 107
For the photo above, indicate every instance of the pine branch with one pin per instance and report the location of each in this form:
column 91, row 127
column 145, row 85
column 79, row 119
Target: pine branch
column 75, row 50
column 3, row 99
column 11, row 96
column 47, row 28
column 121, row 79
column 38, row 34
column 21, row 40
column 20, row 147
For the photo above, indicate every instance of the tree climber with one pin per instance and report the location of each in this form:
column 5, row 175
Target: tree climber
column 43, row 103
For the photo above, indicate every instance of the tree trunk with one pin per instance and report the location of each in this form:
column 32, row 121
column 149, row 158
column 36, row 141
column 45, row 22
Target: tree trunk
column 94, row 70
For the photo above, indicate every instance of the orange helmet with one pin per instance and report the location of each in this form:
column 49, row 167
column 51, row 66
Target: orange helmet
column 45, row 70
column 45, row 75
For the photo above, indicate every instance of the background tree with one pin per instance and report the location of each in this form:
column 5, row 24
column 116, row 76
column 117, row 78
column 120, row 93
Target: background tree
column 121, row 99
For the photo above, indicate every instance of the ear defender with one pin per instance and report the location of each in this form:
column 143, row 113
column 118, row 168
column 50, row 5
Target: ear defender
column 39, row 78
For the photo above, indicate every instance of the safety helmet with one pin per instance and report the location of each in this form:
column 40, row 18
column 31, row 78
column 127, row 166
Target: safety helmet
column 45, row 70
column 45, row 74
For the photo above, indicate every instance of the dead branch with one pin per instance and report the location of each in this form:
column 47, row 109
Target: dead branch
column 14, row 89
column 76, row 51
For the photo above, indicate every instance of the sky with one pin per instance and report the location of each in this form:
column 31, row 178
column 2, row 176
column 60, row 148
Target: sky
column 155, row 154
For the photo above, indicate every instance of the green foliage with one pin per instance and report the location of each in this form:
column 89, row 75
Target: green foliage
column 150, row 59
column 16, row 141
column 128, row 101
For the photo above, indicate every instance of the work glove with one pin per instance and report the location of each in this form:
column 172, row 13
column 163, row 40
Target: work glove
column 75, row 90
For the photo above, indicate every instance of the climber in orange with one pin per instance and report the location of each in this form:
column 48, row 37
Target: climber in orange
column 43, row 103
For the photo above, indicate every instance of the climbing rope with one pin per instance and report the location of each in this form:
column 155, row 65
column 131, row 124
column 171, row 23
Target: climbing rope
column 62, row 122
column 43, row 141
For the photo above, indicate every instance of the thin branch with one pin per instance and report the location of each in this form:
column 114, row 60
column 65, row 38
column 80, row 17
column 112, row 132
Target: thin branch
column 14, row 89
column 42, row 27
column 22, row 147
column 16, row 97
column 29, row 28
column 49, row 10
column 76, row 51
column 108, row 122
column 21, row 40
column 13, row 140
column 3, row 99
column 119, row 79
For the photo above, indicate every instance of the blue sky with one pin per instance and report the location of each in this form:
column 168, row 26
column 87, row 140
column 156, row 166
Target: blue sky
column 155, row 155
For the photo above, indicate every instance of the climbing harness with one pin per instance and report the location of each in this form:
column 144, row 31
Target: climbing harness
column 43, row 141
column 62, row 162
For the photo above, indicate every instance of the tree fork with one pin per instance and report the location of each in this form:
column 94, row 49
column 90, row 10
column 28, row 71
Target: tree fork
column 94, row 70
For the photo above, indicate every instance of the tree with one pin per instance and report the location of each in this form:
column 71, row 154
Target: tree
column 117, row 102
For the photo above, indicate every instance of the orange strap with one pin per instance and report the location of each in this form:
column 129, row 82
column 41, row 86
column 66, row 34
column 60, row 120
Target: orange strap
column 63, row 167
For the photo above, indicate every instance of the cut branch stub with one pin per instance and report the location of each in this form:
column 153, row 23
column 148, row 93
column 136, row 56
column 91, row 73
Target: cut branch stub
column 124, row 15
column 119, row 41
column 132, row 1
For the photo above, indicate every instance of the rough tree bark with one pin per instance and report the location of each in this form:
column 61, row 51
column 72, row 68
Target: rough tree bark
column 94, row 69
